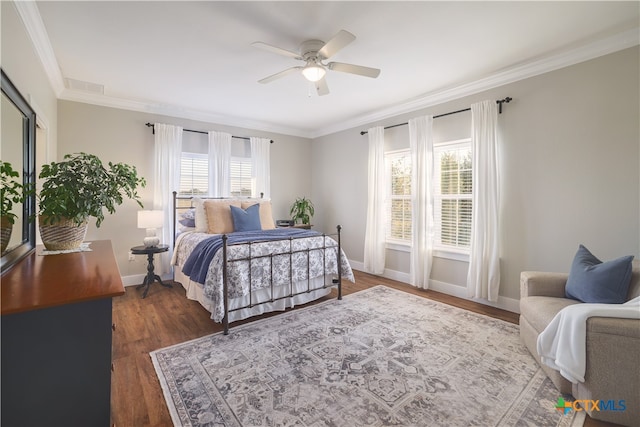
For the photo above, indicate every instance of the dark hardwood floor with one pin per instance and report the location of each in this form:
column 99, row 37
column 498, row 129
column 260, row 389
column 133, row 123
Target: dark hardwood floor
column 166, row 317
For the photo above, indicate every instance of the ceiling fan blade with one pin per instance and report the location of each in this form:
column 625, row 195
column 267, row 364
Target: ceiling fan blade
column 276, row 76
column 338, row 41
column 354, row 69
column 277, row 50
column 321, row 87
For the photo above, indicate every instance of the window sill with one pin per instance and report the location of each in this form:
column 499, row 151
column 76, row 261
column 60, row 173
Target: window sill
column 449, row 254
column 437, row 252
column 398, row 246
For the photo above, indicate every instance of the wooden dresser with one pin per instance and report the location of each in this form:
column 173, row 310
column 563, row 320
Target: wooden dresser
column 56, row 338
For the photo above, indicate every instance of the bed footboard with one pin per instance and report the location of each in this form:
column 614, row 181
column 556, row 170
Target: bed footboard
column 334, row 282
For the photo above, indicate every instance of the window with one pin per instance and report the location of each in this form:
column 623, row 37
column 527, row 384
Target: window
column 240, row 170
column 452, row 195
column 194, row 174
column 452, row 190
column 398, row 166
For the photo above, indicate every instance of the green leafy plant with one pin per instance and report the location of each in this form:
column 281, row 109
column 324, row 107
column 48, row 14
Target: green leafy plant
column 12, row 191
column 80, row 186
column 302, row 210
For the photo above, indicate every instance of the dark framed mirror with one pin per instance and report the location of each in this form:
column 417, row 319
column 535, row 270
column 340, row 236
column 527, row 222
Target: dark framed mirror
column 17, row 147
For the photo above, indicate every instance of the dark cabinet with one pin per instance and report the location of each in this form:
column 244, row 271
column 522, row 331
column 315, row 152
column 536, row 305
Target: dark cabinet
column 56, row 338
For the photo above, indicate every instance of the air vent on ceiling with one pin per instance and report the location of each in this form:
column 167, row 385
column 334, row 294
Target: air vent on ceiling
column 85, row 86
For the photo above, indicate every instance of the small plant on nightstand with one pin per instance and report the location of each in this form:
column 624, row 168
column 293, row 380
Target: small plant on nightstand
column 302, row 210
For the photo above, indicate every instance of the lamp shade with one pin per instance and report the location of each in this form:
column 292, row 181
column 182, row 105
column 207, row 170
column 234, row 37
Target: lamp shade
column 150, row 219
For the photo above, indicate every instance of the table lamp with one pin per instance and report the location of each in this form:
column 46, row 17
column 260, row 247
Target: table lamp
column 150, row 220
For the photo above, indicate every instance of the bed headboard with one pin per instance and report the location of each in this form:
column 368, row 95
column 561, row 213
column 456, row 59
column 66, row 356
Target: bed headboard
column 184, row 203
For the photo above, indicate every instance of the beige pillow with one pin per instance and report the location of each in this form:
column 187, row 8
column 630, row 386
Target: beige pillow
column 219, row 215
column 266, row 216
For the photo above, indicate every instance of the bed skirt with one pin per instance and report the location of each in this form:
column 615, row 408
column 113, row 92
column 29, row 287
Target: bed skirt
column 195, row 291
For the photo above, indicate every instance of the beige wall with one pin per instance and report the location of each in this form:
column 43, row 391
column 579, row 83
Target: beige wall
column 20, row 62
column 121, row 136
column 570, row 156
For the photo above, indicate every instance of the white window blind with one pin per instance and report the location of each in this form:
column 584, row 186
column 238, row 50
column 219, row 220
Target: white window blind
column 240, row 170
column 452, row 195
column 194, row 174
column 398, row 169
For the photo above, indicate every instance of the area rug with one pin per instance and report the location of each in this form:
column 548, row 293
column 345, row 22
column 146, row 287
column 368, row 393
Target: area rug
column 379, row 357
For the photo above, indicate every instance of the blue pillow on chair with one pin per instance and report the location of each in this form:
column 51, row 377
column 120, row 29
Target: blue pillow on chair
column 594, row 281
column 246, row 220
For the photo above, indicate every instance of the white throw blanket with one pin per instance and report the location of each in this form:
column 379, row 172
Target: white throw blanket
column 562, row 345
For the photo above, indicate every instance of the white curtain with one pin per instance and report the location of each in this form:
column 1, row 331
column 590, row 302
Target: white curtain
column 219, row 163
column 168, row 151
column 374, row 240
column 483, row 280
column 421, row 147
column 260, row 167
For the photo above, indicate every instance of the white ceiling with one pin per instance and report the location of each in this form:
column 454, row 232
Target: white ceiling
column 195, row 59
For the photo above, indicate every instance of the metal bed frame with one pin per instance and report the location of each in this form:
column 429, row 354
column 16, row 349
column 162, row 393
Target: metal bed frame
column 336, row 282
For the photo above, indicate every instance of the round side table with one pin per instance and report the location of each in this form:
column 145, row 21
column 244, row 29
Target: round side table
column 151, row 276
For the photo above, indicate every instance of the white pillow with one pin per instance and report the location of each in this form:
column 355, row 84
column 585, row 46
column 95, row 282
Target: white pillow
column 202, row 225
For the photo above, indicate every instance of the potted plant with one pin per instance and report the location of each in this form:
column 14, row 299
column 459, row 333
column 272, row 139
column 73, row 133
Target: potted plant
column 302, row 210
column 11, row 191
column 77, row 188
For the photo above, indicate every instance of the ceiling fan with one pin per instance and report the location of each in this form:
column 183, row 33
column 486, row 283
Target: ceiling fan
column 315, row 53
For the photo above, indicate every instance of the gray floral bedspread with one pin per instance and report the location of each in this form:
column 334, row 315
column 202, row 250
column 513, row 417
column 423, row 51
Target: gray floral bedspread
column 268, row 259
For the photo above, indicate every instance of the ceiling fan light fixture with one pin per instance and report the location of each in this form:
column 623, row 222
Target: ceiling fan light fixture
column 314, row 53
column 313, row 72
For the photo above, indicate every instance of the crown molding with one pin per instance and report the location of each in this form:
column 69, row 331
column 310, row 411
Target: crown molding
column 178, row 112
column 30, row 15
column 533, row 68
column 34, row 25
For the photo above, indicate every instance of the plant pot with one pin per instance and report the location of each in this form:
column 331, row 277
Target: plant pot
column 61, row 235
column 5, row 232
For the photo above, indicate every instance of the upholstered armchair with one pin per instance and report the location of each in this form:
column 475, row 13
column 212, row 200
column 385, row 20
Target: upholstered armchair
column 612, row 347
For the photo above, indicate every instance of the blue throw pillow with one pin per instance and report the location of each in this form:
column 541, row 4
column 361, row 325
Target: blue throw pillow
column 188, row 222
column 188, row 218
column 246, row 220
column 189, row 214
column 591, row 280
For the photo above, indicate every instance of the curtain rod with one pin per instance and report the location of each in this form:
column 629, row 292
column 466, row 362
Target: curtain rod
column 499, row 102
column 152, row 126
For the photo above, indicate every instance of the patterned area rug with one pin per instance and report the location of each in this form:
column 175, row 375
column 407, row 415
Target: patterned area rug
column 379, row 357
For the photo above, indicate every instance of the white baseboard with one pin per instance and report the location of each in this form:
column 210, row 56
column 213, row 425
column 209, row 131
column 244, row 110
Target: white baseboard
column 137, row 279
column 356, row 265
column 388, row 274
column 504, row 303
